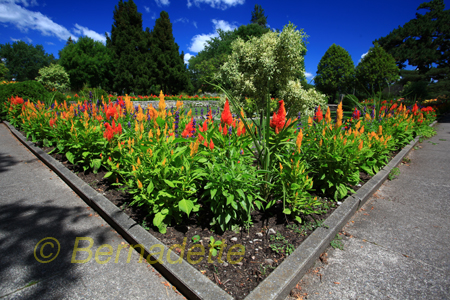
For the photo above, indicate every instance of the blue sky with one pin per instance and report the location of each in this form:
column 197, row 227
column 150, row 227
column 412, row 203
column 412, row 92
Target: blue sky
column 352, row 24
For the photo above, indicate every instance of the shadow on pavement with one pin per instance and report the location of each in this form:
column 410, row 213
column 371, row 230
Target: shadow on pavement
column 6, row 161
column 22, row 226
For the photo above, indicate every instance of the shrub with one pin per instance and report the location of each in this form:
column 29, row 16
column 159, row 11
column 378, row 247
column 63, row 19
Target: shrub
column 97, row 93
column 54, row 78
column 31, row 90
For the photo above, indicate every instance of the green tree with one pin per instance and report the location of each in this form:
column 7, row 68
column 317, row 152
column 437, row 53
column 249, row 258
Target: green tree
column 88, row 62
column 3, row 71
column 335, row 72
column 129, row 45
column 258, row 16
column 376, row 70
column 54, row 78
column 171, row 74
column 24, row 60
column 424, row 43
column 207, row 63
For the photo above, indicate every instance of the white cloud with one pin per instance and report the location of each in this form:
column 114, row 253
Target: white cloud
column 147, row 9
column 309, row 75
column 198, row 42
column 153, row 16
column 195, row 24
column 162, row 2
column 220, row 4
column 182, row 20
column 25, row 39
column 90, row 33
column 362, row 56
column 25, row 19
column 50, row 43
column 187, row 56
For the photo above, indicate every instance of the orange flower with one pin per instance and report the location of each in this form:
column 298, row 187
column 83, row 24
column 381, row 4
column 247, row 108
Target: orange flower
column 340, row 115
column 139, row 184
column 298, row 142
column 360, row 145
column 328, row 115
column 211, row 145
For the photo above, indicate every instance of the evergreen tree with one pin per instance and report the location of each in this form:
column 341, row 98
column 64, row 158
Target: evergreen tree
column 335, row 72
column 171, row 73
column 376, row 70
column 423, row 42
column 129, row 46
column 258, row 16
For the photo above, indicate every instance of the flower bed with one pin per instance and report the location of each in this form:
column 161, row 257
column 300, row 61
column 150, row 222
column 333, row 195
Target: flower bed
column 179, row 170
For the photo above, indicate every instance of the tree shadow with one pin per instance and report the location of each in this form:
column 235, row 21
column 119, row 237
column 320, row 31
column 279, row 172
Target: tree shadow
column 22, row 226
column 6, row 161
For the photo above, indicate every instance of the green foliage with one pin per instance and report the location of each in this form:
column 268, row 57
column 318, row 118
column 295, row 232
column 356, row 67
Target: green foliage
column 258, row 16
column 214, row 246
column 31, row 89
column 424, row 43
column 93, row 93
column 88, row 62
column 54, row 77
column 170, row 73
column 394, row 173
column 281, row 245
column 336, row 243
column 415, row 90
column 24, row 60
column 3, row 71
column 58, row 96
column 335, row 72
column 376, row 70
column 231, row 190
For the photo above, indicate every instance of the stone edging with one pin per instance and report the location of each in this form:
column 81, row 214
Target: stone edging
column 185, row 277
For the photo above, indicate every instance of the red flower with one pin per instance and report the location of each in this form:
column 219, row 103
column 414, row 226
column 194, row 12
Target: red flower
column 211, row 145
column 111, row 111
column 189, row 130
column 319, row 115
column 226, row 118
column 279, row 119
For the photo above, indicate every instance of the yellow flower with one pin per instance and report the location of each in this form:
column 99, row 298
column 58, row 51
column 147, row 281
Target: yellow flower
column 328, row 115
column 138, row 162
column 139, row 184
column 281, row 168
column 340, row 115
column 380, row 130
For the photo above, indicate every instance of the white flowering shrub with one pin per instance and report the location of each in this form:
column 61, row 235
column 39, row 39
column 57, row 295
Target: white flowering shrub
column 54, row 78
column 299, row 100
column 261, row 65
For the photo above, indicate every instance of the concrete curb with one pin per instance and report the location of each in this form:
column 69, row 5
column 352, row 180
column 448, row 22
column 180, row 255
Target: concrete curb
column 183, row 276
column 186, row 278
column 286, row 276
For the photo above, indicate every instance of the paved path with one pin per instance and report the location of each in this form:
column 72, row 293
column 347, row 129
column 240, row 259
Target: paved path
column 35, row 204
column 398, row 245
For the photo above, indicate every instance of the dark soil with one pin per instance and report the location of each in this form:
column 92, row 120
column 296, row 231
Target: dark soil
column 266, row 243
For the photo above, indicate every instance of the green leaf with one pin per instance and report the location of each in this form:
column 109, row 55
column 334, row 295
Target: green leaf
column 241, row 193
column 186, row 206
column 70, row 157
column 227, row 219
column 169, row 183
column 86, row 153
column 150, row 187
column 96, row 164
column 298, row 219
column 287, row 211
column 108, row 174
column 158, row 219
column 213, row 193
column 230, row 199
